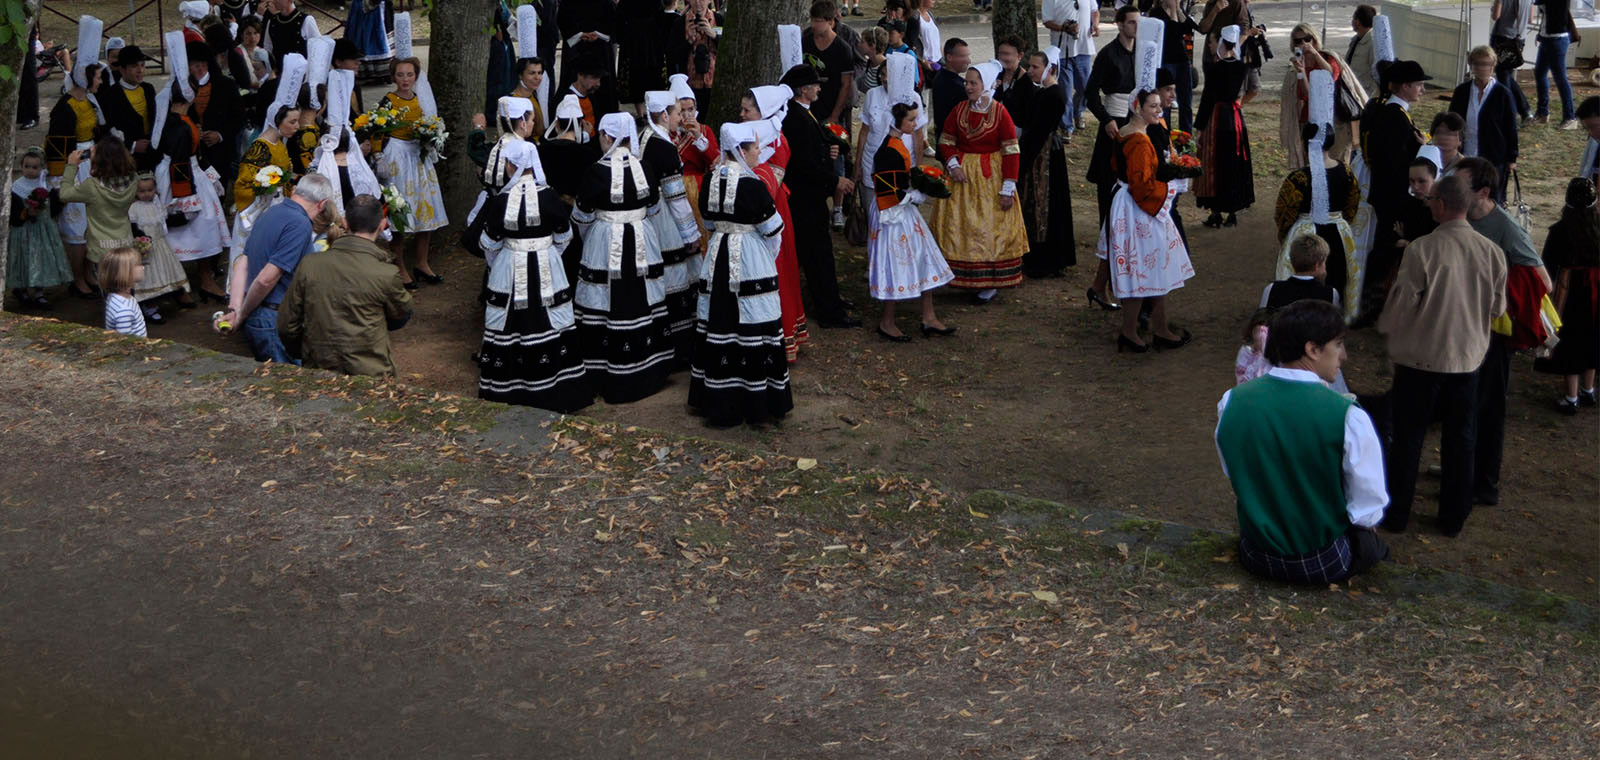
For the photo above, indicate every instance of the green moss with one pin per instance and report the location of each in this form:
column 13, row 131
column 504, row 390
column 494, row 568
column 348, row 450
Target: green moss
column 1136, row 525
column 999, row 502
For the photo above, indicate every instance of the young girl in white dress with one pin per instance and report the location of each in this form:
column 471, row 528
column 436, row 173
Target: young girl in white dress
column 904, row 262
column 163, row 273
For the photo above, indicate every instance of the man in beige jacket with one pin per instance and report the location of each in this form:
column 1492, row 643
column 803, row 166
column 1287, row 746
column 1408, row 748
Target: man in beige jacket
column 1450, row 287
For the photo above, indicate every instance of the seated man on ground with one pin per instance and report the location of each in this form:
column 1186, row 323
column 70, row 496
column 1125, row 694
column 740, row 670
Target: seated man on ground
column 343, row 302
column 1305, row 463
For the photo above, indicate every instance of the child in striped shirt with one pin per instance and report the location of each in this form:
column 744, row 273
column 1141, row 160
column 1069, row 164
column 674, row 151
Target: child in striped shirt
column 120, row 270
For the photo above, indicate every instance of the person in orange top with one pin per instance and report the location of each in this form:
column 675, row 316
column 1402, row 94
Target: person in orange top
column 903, row 261
column 1139, row 241
column 980, row 227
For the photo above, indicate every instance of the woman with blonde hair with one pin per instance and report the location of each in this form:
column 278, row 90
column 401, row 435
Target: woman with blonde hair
column 1305, row 49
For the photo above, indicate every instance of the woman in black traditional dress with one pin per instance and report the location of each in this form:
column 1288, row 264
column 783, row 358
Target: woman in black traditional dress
column 739, row 372
column 673, row 220
column 1042, row 185
column 1227, row 186
column 621, row 297
column 530, row 353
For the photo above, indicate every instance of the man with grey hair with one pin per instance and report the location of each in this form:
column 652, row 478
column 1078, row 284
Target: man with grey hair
column 1450, row 287
column 277, row 242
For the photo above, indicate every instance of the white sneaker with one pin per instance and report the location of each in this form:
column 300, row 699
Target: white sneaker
column 1569, row 124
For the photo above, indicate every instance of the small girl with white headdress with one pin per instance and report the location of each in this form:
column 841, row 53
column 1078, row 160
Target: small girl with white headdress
column 673, row 220
column 530, row 354
column 621, row 297
column 739, row 372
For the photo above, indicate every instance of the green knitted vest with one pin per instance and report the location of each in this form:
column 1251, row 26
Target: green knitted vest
column 1283, row 442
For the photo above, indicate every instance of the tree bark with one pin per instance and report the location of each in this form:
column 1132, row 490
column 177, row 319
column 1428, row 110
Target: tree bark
column 1019, row 17
column 11, row 57
column 458, row 46
column 747, row 54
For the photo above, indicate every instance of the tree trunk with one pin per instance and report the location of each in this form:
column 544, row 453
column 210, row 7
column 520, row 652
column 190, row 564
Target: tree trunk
column 747, row 54
column 1019, row 17
column 11, row 71
column 458, row 45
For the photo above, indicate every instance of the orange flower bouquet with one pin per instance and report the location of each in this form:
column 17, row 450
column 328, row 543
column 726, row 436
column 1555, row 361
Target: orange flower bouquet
column 930, row 181
column 837, row 135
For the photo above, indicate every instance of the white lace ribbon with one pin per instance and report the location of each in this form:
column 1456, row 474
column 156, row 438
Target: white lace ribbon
column 618, row 220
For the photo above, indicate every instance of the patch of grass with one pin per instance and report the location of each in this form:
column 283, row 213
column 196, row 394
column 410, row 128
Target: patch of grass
column 705, row 534
column 1136, row 525
column 998, row 502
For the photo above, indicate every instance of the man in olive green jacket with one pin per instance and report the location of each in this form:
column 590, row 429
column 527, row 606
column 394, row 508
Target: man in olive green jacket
column 344, row 301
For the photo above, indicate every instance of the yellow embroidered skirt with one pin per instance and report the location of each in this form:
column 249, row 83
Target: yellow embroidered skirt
column 983, row 244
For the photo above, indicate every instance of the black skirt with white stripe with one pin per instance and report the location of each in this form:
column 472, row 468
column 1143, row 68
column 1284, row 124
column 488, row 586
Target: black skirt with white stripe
column 739, row 372
column 530, row 363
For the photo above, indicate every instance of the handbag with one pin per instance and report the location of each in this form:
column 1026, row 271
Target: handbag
column 1346, row 105
column 1524, row 216
column 1507, row 53
column 855, row 219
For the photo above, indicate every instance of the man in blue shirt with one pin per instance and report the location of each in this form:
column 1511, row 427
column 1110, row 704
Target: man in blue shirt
column 277, row 241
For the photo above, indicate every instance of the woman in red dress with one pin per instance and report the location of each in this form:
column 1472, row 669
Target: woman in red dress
column 767, row 106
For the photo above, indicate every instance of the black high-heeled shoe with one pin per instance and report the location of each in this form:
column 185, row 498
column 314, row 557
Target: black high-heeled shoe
column 901, row 338
column 1183, row 340
column 1095, row 298
column 1231, row 221
column 1126, row 344
column 431, row 279
column 929, row 330
column 1214, row 221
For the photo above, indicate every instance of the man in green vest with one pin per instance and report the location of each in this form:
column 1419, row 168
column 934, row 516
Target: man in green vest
column 1305, row 462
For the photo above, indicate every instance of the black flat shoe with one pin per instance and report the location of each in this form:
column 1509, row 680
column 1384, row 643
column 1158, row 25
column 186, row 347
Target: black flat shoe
column 431, row 279
column 1095, row 298
column 40, row 302
column 929, row 331
column 1125, row 344
column 413, row 285
column 901, row 338
column 92, row 294
column 207, row 296
column 847, row 304
column 1183, row 340
column 155, row 318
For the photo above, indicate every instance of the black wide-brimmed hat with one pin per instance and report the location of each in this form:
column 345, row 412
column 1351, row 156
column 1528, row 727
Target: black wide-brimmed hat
column 800, row 76
column 1404, row 72
column 1164, row 78
column 129, row 55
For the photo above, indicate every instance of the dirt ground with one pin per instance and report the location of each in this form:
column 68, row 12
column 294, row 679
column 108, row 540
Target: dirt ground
column 291, row 566
column 1031, row 397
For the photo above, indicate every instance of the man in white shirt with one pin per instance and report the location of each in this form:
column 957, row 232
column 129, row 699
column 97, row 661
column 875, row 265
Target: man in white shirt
column 1074, row 26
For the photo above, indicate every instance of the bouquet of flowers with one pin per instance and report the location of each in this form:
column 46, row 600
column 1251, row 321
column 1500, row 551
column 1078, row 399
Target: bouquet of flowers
column 37, row 201
column 837, row 135
column 431, row 135
column 1182, row 142
column 379, row 121
column 269, row 181
column 1182, row 163
column 396, row 210
column 142, row 245
column 930, row 181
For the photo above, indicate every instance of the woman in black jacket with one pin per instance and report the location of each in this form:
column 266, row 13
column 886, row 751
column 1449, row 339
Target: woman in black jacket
column 1491, row 115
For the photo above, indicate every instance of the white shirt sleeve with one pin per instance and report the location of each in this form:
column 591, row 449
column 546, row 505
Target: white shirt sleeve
column 1221, row 405
column 1266, row 293
column 1365, row 491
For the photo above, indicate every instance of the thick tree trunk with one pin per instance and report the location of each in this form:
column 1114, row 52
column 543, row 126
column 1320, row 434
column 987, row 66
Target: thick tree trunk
column 1019, row 17
column 747, row 55
column 11, row 71
column 458, row 46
